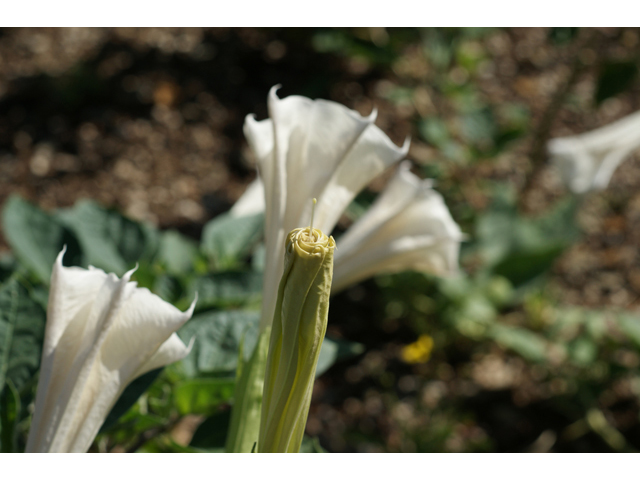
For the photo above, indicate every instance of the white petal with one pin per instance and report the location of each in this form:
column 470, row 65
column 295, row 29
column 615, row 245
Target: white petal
column 311, row 149
column 101, row 333
column 252, row 200
column 312, row 140
column 169, row 352
column 408, row 228
column 372, row 154
column 587, row 161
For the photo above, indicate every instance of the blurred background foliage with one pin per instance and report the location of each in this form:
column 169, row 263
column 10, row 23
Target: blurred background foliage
column 126, row 145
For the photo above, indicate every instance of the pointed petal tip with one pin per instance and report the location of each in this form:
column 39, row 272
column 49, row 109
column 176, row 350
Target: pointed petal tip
column 406, row 145
column 61, row 255
column 192, row 307
column 272, row 92
column 190, row 346
column 373, row 115
column 127, row 276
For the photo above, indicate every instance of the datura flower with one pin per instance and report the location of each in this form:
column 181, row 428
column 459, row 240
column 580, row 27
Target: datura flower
column 101, row 333
column 311, row 148
column 297, row 332
column 407, row 228
column 587, row 161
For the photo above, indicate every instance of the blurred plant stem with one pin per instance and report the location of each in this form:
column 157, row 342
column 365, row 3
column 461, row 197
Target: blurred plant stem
column 596, row 421
column 542, row 132
column 245, row 414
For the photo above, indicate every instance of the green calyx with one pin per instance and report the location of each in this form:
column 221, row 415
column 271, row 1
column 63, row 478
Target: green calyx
column 299, row 326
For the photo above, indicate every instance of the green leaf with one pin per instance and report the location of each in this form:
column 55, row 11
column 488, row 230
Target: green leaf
column 478, row 127
column 583, row 351
column 227, row 239
column 202, row 396
column 9, row 418
column 109, row 241
column 170, row 289
column 226, row 289
column 502, row 232
column 630, row 326
column 22, row 322
column 212, row 433
column 434, row 131
column 520, row 268
column 614, row 78
column 529, row 345
column 129, row 397
column 177, row 252
column 217, row 337
column 473, row 316
column 333, row 350
column 244, row 426
column 36, row 237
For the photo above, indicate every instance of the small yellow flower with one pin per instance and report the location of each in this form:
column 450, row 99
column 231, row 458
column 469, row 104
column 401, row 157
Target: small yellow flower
column 418, row 351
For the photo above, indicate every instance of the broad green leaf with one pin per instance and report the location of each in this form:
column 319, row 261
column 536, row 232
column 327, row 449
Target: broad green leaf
column 9, row 418
column 226, row 289
column 502, row 233
column 36, row 237
column 217, row 337
column 170, row 289
column 227, row 239
column 109, row 241
column 333, row 350
column 202, row 396
column 522, row 267
column 22, row 322
column 177, row 252
column 524, row 342
column 129, row 397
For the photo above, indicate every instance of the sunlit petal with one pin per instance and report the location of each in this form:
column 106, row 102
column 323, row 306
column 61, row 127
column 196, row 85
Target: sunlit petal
column 101, row 333
column 408, row 228
column 587, row 161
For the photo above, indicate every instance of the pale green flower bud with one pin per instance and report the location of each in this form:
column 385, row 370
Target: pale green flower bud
column 299, row 325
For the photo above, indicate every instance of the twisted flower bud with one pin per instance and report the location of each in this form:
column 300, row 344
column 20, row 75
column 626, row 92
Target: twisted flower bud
column 299, row 325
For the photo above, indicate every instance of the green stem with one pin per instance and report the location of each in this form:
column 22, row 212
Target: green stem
column 245, row 415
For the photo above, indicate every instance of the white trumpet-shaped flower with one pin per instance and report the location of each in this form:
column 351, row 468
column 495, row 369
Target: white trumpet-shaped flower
column 587, row 161
column 306, row 149
column 101, row 333
column 407, row 228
